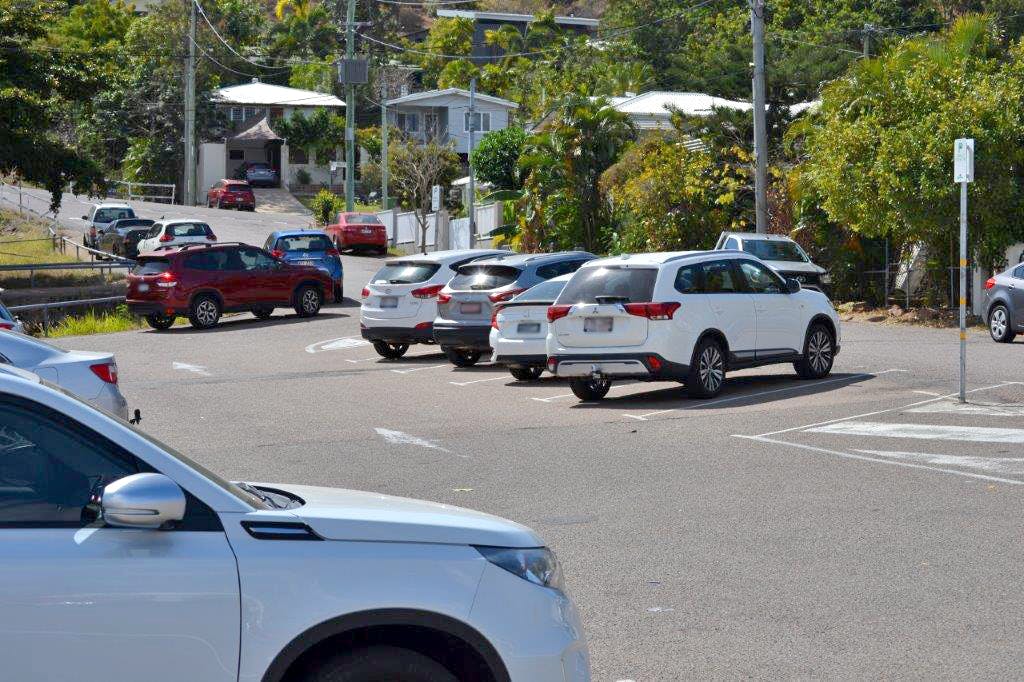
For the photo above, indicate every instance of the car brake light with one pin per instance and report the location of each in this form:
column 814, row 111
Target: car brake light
column 505, row 295
column 92, row 231
column 366, row 292
column 557, row 312
column 333, row 252
column 552, row 365
column 277, row 253
column 166, row 238
column 654, row 363
column 4, row 324
column 990, row 282
column 652, row 311
column 427, row 292
column 167, row 280
column 424, row 325
column 494, row 316
column 106, row 371
column 444, row 298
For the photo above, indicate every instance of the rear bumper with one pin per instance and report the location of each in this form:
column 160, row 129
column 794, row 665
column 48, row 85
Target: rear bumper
column 363, row 240
column 520, row 360
column 398, row 334
column 464, row 337
column 644, row 366
column 143, row 308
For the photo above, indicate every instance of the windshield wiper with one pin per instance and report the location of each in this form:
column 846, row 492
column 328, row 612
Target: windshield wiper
column 612, row 299
column 256, row 492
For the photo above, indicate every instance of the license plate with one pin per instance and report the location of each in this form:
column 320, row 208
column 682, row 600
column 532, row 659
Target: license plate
column 529, row 327
column 597, row 324
column 388, row 301
column 470, row 308
column 143, row 287
column 367, row 230
column 306, row 262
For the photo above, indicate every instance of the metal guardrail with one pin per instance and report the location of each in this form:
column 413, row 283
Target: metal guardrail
column 127, row 193
column 47, row 307
column 31, row 268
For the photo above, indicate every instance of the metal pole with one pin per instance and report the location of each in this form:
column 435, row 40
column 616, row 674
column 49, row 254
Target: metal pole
column 190, row 110
column 760, row 124
column 885, row 276
column 350, row 111
column 963, row 292
column 20, row 211
column 866, row 39
column 471, row 199
column 384, row 145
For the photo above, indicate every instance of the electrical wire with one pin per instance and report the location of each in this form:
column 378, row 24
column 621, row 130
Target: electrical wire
column 225, row 43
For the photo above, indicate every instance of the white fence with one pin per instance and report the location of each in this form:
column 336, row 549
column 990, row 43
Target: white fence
column 141, row 191
column 488, row 218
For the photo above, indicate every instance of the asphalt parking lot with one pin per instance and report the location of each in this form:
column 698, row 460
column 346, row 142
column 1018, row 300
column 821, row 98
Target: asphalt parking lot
column 865, row 525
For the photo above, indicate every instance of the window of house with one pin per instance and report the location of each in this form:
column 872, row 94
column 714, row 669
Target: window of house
column 250, row 112
column 236, row 154
column 276, row 112
column 407, row 122
column 237, row 114
column 298, row 155
column 481, row 121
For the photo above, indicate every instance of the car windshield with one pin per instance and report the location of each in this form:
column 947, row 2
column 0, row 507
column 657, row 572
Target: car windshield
column 151, row 266
column 405, row 272
column 484, row 277
column 313, row 242
column 771, row 249
column 610, row 284
column 106, row 215
column 362, row 219
column 545, row 292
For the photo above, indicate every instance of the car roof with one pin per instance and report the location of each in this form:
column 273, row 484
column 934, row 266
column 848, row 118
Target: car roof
column 113, row 204
column 522, row 259
column 297, row 233
column 444, row 256
column 178, row 221
column 759, row 236
column 662, row 257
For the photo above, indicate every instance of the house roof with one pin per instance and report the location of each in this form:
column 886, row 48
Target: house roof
column 267, row 94
column 512, row 18
column 438, row 97
column 258, row 130
column 659, row 103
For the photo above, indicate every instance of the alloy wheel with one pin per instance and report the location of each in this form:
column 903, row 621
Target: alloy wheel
column 997, row 323
column 310, row 301
column 819, row 351
column 710, row 369
column 206, row 312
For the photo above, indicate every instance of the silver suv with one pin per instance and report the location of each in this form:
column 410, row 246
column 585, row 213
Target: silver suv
column 465, row 305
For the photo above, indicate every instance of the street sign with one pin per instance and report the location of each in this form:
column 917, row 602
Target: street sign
column 334, row 166
column 435, row 198
column 963, row 160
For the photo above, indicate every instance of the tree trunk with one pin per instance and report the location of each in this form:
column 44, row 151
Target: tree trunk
column 421, row 218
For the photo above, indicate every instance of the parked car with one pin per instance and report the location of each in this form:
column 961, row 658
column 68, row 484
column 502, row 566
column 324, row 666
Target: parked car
column 116, row 548
column 309, row 247
column 400, row 302
column 687, row 316
column 462, row 327
column 9, row 321
column 780, row 253
column 204, row 281
column 261, row 175
column 1004, row 304
column 231, row 194
column 115, row 238
column 90, row 376
column 359, row 231
column 169, row 233
column 100, row 217
column 519, row 329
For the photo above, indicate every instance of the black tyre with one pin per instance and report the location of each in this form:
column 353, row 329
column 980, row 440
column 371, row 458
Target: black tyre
column 461, row 358
column 526, row 373
column 707, row 370
column 204, row 313
column 380, row 664
column 308, row 300
column 339, row 294
column 590, row 389
column 391, row 351
column 262, row 313
column 819, row 353
column 999, row 326
column 160, row 322
column 220, row 204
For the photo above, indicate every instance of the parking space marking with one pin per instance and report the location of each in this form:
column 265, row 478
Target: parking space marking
column 554, row 397
column 1002, row 465
column 195, row 369
column 476, row 381
column 975, row 434
column 337, row 344
column 983, row 409
column 400, row 438
column 417, row 369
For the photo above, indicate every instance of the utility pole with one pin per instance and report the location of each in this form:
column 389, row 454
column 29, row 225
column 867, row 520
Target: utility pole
column 350, row 110
column 471, row 199
column 384, row 141
column 189, row 198
column 866, row 39
column 760, row 124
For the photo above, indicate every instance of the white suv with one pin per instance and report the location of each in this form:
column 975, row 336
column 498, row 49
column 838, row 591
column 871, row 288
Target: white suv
column 519, row 329
column 119, row 554
column 100, row 217
column 167, row 233
column 400, row 302
column 781, row 254
column 688, row 317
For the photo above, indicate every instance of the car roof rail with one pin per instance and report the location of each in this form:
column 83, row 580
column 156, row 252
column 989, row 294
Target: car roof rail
column 200, row 245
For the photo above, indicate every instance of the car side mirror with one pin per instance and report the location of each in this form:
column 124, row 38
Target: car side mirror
column 142, row 501
column 792, row 285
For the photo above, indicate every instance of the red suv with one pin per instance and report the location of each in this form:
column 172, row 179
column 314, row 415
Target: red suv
column 359, row 230
column 231, row 194
column 202, row 281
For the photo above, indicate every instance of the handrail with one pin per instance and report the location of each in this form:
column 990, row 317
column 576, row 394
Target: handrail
column 47, row 307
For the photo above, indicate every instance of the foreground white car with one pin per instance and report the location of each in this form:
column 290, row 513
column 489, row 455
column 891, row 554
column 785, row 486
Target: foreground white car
column 119, row 554
column 519, row 329
column 686, row 316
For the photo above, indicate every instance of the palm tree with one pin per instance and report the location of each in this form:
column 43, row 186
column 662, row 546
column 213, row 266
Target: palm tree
column 304, row 29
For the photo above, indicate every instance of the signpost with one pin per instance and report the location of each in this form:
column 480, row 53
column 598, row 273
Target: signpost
column 963, row 173
column 435, row 198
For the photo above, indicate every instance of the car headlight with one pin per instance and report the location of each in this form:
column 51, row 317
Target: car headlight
column 538, row 565
column 825, row 278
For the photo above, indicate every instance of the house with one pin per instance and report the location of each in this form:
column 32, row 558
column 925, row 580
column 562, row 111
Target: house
column 491, row 21
column 653, row 110
column 443, row 115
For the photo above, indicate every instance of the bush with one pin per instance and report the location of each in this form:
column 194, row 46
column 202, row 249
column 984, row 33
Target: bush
column 302, row 177
column 325, row 206
column 496, row 158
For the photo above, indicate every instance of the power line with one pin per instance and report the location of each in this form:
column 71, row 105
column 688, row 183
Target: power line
column 225, row 43
column 779, row 36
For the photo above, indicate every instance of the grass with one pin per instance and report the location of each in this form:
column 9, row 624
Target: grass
column 118, row 320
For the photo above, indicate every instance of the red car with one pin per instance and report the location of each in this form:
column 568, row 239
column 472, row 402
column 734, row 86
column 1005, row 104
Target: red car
column 359, row 231
column 202, row 281
column 231, row 194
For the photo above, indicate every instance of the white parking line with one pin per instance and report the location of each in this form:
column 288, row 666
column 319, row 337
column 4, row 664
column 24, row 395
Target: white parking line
column 554, row 397
column 195, row 369
column 984, row 409
column 337, row 344
column 1002, row 465
column 975, row 434
column 417, row 369
column 476, row 381
column 400, row 438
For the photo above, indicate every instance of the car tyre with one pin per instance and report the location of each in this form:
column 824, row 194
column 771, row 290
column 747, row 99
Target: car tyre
column 526, row 373
column 204, row 313
column 391, row 351
column 220, row 204
column 339, row 294
column 308, row 300
column 160, row 322
column 819, row 353
column 262, row 313
column 375, row 663
column 707, row 370
column 590, row 389
column 461, row 358
column 999, row 324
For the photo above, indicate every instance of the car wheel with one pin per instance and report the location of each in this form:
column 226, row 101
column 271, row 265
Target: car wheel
column 160, row 322
column 262, row 313
column 707, row 370
column 308, row 300
column 999, row 324
column 339, row 294
column 204, row 313
column 590, row 389
column 526, row 373
column 376, row 663
column 819, row 353
column 461, row 358
column 220, row 204
column 391, row 351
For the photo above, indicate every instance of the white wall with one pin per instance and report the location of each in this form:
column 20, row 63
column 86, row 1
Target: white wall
column 488, row 218
column 211, row 168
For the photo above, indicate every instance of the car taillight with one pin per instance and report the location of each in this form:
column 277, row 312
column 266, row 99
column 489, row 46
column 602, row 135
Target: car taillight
column 211, row 236
column 444, row 298
column 4, row 324
column 990, row 282
column 166, row 238
column 654, row 362
column 277, row 253
column 494, row 317
column 427, row 292
column 333, row 252
column 552, row 365
column 502, row 296
column 92, row 231
column 652, row 311
column 557, row 312
column 167, row 280
column 106, row 371
column 366, row 292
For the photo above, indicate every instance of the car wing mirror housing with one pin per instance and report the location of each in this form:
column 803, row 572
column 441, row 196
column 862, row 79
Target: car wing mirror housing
column 145, row 500
column 792, row 285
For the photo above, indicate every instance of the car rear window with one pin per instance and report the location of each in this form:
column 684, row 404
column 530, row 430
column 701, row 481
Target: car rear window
column 106, row 215
column 362, row 219
column 151, row 266
column 238, row 187
column 398, row 272
column 545, row 292
column 188, row 230
column 483, row 277
column 774, row 250
column 610, row 285
column 313, row 242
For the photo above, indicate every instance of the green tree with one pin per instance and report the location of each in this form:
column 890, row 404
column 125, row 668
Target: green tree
column 496, row 158
column 319, row 133
column 446, row 37
column 414, row 169
column 303, row 29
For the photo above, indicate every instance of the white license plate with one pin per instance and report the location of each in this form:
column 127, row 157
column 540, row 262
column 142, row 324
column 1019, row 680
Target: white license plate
column 367, row 230
column 143, row 287
column 529, row 327
column 388, row 301
column 306, row 262
column 597, row 324
column 470, row 308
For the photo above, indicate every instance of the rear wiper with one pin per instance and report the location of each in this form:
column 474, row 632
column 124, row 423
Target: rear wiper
column 398, row 281
column 612, row 299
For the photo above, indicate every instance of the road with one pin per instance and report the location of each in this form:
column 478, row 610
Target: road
column 862, row 526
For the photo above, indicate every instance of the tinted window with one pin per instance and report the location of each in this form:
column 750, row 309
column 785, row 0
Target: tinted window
column 545, row 292
column 5, row 314
column 188, row 230
column 1019, row 272
column 237, row 187
column 362, row 220
column 759, row 278
column 557, row 269
column 775, row 250
column 106, row 215
column 155, row 230
column 484, row 277
column 405, row 273
column 151, row 266
column 688, row 279
column 254, row 259
column 314, row 242
column 208, row 261
column 731, row 243
column 720, row 278
column 610, row 284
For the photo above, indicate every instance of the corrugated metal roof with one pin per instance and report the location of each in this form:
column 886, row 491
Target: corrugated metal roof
column 427, row 95
column 268, row 94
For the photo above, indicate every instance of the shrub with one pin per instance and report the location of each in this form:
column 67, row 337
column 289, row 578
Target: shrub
column 302, row 176
column 325, row 206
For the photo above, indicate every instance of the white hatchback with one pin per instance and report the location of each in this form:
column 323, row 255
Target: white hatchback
column 519, row 329
column 167, row 233
column 119, row 554
column 400, row 302
column 686, row 316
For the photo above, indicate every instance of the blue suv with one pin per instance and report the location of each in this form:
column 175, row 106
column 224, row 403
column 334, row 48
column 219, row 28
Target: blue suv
column 308, row 247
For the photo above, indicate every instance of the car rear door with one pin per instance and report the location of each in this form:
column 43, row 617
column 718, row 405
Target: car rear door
column 731, row 306
column 265, row 279
column 598, row 317
column 779, row 326
column 1016, row 290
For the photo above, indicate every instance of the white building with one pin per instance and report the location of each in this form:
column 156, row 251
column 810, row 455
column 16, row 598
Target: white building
column 653, row 110
column 443, row 115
